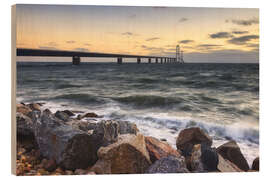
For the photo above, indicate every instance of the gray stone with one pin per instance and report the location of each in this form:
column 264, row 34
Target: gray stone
column 126, row 127
column 170, row 164
column 71, row 148
column 62, row 115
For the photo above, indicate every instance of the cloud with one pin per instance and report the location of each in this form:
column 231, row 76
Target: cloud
column 152, row 39
column 243, row 39
column 239, row 32
column 52, row 43
column 70, row 42
column 244, row 22
column 149, row 48
column 219, row 35
column 81, row 49
column 87, row 44
column 182, row 19
column 186, row 41
column 127, row 33
column 48, row 47
column 209, row 45
column 223, row 56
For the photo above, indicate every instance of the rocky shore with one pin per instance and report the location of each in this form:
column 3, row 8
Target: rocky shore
column 64, row 143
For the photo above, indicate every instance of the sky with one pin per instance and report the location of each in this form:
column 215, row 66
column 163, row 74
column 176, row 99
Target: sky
column 226, row 35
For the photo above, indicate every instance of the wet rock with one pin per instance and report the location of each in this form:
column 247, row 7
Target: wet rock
column 25, row 126
column 158, row 149
column 225, row 165
column 127, row 156
column 187, row 138
column 34, row 106
column 256, row 164
column 85, row 125
column 203, row 159
column 126, row 127
column 69, row 113
column 23, row 109
column 232, row 152
column 90, row 115
column 105, row 132
column 71, row 148
column 62, row 115
column 170, row 164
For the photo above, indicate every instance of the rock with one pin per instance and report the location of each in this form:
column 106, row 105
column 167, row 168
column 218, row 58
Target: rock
column 23, row 109
column 256, row 164
column 158, row 149
column 85, row 125
column 71, row 148
column 126, row 127
column 62, row 115
column 34, row 106
column 170, row 164
column 90, row 115
column 105, row 132
column 225, row 165
column 67, row 172
column 187, row 138
column 127, row 156
column 80, row 171
column 69, row 113
column 232, row 152
column 203, row 159
column 25, row 126
column 50, row 165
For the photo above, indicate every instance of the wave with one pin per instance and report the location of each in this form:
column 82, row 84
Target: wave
column 148, row 100
column 237, row 131
column 81, row 98
column 65, row 86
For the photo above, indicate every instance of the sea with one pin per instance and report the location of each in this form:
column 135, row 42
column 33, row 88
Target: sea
column 162, row 99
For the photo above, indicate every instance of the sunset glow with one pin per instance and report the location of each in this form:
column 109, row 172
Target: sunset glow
column 203, row 33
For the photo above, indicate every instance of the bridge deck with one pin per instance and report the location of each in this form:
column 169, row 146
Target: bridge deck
column 60, row 53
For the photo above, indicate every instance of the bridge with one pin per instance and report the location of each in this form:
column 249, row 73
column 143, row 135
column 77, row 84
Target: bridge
column 76, row 55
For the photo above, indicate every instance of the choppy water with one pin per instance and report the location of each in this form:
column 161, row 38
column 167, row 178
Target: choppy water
column 161, row 99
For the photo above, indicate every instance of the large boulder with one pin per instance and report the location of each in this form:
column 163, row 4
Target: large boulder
column 187, row 138
column 256, row 164
column 127, row 156
column 69, row 147
column 225, row 165
column 232, row 152
column 170, row 164
column 203, row 159
column 126, row 127
column 158, row 149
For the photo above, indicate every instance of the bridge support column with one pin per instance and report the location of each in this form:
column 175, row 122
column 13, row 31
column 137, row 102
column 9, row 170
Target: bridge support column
column 119, row 60
column 138, row 60
column 76, row 60
column 149, row 60
column 161, row 60
column 156, row 60
column 165, row 60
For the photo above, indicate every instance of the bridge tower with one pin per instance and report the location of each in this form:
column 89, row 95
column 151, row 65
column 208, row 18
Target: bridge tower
column 76, row 60
column 177, row 53
column 182, row 57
